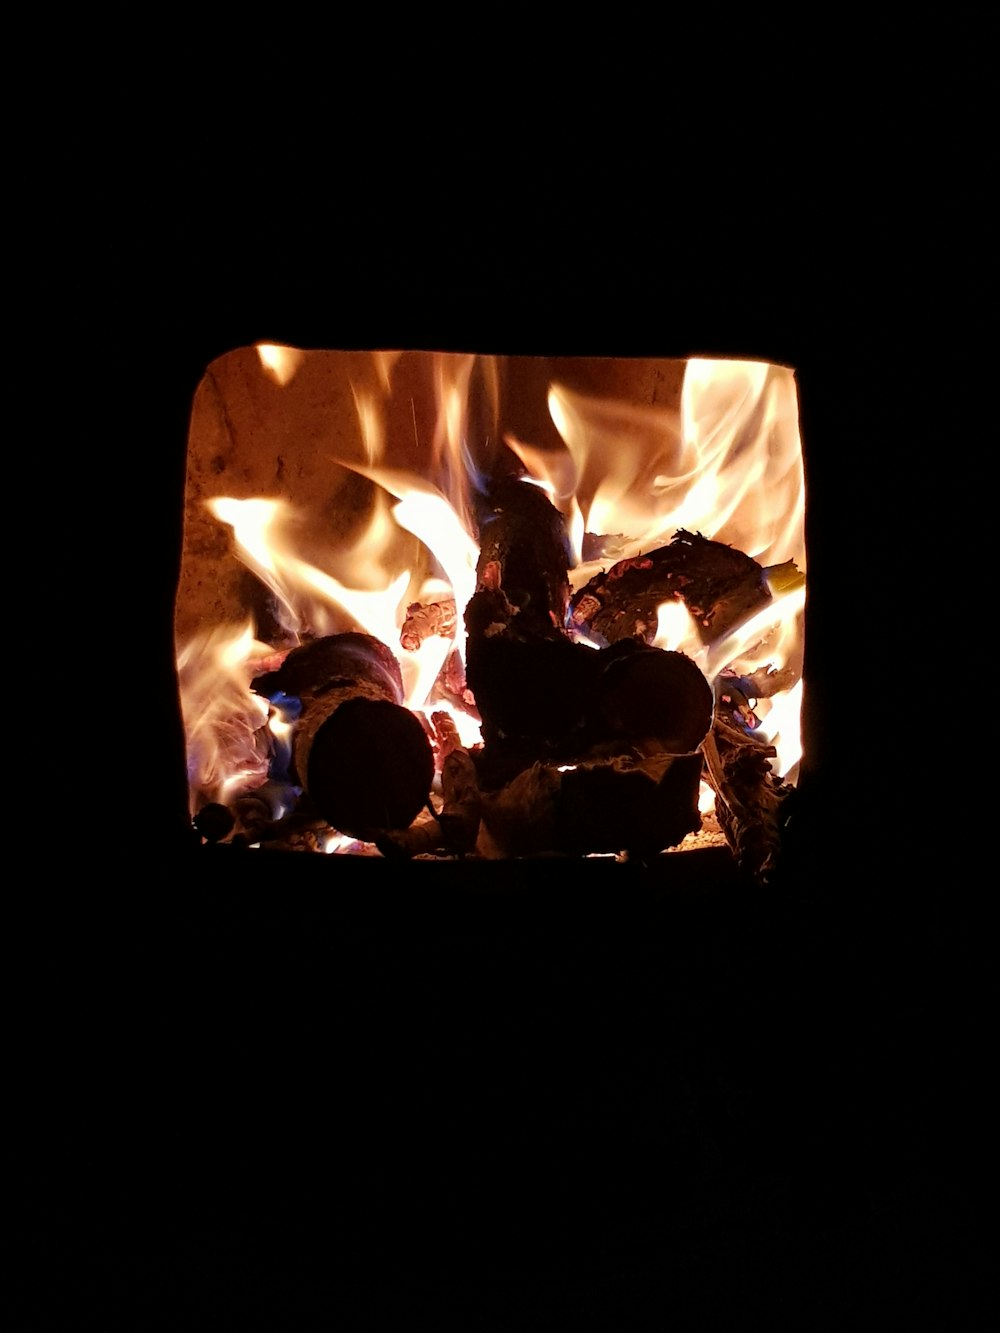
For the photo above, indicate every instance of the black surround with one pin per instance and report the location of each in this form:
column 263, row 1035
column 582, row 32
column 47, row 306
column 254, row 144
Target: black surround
column 301, row 1091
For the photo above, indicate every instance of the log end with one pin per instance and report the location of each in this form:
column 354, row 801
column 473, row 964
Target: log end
column 370, row 768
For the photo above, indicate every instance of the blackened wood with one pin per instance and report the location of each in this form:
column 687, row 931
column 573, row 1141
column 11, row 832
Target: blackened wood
column 719, row 585
column 647, row 694
column 523, row 537
column 453, row 832
column 548, row 699
column 531, row 690
column 363, row 758
column 629, row 803
column 326, row 663
column 751, row 802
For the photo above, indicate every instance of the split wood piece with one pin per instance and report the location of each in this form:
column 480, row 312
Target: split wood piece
column 640, row 805
column 750, row 799
column 362, row 758
column 719, row 585
column 424, row 619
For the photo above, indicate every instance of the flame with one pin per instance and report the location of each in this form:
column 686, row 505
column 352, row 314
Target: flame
column 279, row 363
column 307, row 593
column 741, row 417
column 222, row 718
column 675, row 631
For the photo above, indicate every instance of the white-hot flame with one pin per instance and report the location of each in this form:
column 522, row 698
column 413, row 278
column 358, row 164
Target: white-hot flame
column 279, row 363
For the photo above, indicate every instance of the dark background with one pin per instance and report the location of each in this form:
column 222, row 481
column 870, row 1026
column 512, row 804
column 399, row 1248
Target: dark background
column 337, row 1095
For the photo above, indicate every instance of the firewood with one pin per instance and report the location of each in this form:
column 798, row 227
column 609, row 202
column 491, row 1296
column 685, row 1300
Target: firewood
column 547, row 699
column 719, row 585
column 455, row 828
column 531, row 688
column 363, row 759
column 645, row 694
column 633, row 803
column 524, row 542
column 424, row 619
column 750, row 799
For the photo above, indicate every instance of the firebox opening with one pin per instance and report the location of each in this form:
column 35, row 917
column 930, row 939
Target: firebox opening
column 460, row 605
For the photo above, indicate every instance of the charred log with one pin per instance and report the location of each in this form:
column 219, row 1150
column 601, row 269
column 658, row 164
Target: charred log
column 523, row 541
column 546, row 699
column 633, row 803
column 531, row 690
column 750, row 800
column 363, row 759
column 644, row 694
column 455, row 828
column 719, row 585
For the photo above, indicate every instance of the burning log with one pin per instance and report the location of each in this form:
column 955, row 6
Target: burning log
column 455, row 828
column 528, row 680
column 644, row 694
column 634, row 803
column 524, row 548
column 362, row 758
column 547, row 699
column 583, row 751
column 719, row 585
column 750, row 800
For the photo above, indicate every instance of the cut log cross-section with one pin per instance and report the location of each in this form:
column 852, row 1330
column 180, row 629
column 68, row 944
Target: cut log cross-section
column 362, row 757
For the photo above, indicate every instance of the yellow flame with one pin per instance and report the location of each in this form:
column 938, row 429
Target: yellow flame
column 426, row 513
column 782, row 728
column 675, row 629
column 742, row 419
column 221, row 715
column 372, row 427
column 279, row 363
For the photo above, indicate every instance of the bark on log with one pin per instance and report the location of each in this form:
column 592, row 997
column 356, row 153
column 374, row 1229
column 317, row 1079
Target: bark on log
column 523, row 539
column 750, row 800
column 719, row 585
column 362, row 758
column 640, row 805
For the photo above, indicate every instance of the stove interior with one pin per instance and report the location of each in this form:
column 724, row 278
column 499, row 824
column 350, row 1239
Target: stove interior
column 446, row 605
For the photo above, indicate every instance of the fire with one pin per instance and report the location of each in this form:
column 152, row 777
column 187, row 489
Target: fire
column 385, row 519
column 222, row 716
column 279, row 363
